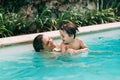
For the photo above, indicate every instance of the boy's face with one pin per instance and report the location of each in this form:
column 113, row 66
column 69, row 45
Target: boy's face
column 48, row 43
column 65, row 37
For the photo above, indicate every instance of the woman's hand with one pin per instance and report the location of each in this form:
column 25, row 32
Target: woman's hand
column 56, row 50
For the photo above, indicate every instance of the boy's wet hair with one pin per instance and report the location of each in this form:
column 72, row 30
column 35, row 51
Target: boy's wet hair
column 70, row 28
column 38, row 43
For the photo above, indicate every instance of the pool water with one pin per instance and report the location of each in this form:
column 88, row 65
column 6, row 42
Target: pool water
column 20, row 62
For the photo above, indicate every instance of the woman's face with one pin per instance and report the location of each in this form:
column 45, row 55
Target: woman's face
column 48, row 43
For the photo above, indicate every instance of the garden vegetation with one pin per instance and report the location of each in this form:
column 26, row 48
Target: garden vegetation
column 15, row 21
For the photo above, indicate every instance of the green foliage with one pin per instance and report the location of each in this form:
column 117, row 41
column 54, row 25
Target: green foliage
column 64, row 17
column 95, row 17
column 13, row 5
column 45, row 21
column 89, row 17
column 12, row 23
column 114, row 4
column 4, row 32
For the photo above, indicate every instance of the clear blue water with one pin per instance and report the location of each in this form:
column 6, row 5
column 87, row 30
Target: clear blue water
column 20, row 62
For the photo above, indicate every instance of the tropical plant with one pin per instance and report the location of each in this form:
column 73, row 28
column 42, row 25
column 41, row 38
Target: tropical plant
column 45, row 21
column 64, row 17
column 12, row 23
column 13, row 5
column 106, row 4
column 3, row 31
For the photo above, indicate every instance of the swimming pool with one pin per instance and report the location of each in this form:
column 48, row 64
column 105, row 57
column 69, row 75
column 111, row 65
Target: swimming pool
column 20, row 62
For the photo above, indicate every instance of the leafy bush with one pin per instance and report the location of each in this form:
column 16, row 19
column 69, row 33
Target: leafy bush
column 12, row 23
column 45, row 21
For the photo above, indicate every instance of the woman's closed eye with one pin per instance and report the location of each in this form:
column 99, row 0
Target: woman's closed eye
column 48, row 42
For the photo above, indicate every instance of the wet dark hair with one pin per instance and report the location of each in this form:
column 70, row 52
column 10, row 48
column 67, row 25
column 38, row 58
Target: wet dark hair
column 70, row 28
column 38, row 43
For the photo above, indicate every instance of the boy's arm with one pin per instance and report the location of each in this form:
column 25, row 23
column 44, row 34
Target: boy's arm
column 73, row 51
column 63, row 48
column 83, row 48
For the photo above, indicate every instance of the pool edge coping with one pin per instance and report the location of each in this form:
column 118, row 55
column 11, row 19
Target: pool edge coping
column 28, row 38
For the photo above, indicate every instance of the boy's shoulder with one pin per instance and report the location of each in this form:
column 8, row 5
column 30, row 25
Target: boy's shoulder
column 78, row 39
